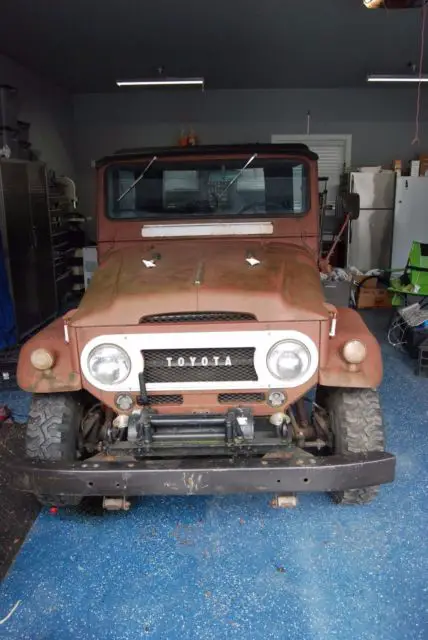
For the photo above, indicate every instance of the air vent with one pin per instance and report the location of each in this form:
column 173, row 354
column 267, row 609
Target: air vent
column 246, row 398
column 165, row 399
column 198, row 316
column 199, row 365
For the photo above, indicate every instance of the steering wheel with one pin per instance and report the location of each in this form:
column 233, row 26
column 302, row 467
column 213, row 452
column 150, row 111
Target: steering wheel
column 268, row 206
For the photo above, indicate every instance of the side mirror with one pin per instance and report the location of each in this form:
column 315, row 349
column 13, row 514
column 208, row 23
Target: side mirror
column 351, row 205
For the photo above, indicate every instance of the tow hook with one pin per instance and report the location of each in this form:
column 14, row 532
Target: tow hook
column 284, row 501
column 116, row 504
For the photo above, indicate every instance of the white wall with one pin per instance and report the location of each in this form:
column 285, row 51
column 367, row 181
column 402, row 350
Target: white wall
column 381, row 121
column 49, row 109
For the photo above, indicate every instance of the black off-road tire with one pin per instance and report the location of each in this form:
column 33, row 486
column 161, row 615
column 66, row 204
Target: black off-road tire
column 357, row 424
column 52, row 434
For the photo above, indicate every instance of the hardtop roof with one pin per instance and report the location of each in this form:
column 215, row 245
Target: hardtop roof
column 231, row 149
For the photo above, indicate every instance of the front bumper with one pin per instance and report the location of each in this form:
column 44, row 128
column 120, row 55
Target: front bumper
column 288, row 471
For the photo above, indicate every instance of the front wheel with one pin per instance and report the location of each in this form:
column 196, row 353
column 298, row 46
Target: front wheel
column 357, row 426
column 52, row 434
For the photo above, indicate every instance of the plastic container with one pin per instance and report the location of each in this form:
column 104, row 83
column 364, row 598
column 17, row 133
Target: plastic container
column 413, row 338
column 8, row 143
column 337, row 292
column 8, row 107
column 417, row 268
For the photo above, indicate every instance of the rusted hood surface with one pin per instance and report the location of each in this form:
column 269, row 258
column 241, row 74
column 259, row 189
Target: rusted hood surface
column 199, row 276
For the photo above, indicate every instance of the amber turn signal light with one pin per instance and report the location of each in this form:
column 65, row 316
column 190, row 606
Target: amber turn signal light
column 354, row 352
column 42, row 359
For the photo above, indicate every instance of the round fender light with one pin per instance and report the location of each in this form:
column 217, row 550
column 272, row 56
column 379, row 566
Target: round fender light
column 42, row 359
column 124, row 402
column 354, row 352
column 276, row 398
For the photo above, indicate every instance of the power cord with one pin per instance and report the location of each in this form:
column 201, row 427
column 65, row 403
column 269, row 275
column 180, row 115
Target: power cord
column 393, row 339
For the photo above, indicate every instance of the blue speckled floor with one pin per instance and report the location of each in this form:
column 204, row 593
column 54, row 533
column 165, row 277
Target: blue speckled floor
column 232, row 567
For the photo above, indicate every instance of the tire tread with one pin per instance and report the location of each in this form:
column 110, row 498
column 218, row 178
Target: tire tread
column 52, row 430
column 358, row 427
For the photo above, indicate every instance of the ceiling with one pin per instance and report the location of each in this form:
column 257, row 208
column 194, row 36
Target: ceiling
column 85, row 45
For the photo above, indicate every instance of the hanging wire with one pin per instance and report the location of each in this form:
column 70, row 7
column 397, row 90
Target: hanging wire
column 421, row 62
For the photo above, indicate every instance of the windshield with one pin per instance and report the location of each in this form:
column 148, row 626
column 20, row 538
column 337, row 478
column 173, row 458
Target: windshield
column 226, row 188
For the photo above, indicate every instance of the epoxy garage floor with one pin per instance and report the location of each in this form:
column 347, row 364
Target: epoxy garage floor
column 233, row 567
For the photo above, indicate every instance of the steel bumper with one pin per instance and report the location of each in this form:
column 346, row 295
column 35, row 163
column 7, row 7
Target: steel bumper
column 285, row 473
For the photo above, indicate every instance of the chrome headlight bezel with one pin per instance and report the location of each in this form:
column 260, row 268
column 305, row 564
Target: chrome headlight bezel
column 123, row 355
column 303, row 349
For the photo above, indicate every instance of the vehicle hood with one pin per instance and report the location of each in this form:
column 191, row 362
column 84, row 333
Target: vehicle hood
column 176, row 277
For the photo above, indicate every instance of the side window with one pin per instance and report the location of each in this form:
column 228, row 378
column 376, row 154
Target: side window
column 299, row 190
column 119, row 184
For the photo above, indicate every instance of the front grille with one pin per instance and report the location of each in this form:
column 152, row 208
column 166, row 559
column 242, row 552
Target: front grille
column 165, row 399
column 199, row 365
column 198, row 316
column 228, row 398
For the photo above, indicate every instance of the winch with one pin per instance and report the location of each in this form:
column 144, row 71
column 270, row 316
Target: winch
column 147, row 427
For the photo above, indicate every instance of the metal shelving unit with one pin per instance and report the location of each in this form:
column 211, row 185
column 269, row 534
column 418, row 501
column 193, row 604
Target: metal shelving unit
column 27, row 245
column 63, row 222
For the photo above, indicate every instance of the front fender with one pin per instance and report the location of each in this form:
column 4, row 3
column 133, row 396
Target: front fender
column 334, row 371
column 64, row 375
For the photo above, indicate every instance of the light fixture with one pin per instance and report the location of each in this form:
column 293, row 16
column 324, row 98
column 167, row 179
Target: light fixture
column 393, row 4
column 373, row 4
column 163, row 82
column 397, row 78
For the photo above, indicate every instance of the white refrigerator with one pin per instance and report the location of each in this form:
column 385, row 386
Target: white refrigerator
column 370, row 237
column 410, row 218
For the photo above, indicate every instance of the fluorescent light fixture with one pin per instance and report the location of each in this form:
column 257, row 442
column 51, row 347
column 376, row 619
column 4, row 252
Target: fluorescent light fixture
column 397, row 78
column 162, row 82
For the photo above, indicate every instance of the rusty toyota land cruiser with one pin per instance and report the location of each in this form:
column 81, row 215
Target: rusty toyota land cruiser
column 203, row 358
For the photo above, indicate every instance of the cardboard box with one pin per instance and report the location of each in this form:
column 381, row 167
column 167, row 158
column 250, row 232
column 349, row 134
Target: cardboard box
column 423, row 167
column 415, row 167
column 372, row 294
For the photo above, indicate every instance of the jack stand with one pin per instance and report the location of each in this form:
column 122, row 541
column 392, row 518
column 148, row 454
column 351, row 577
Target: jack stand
column 116, row 504
column 284, row 501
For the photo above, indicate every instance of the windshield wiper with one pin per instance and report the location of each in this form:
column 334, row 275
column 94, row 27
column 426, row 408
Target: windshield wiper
column 238, row 175
column 140, row 177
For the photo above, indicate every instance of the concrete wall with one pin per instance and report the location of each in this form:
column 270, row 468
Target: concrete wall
column 49, row 109
column 381, row 121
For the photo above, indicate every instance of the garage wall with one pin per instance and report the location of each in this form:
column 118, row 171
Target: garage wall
column 381, row 121
column 49, row 109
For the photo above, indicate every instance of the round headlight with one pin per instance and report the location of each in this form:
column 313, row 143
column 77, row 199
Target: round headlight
column 288, row 360
column 109, row 364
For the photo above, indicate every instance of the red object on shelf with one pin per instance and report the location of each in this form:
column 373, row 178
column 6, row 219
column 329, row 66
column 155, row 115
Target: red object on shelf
column 192, row 140
column 182, row 141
